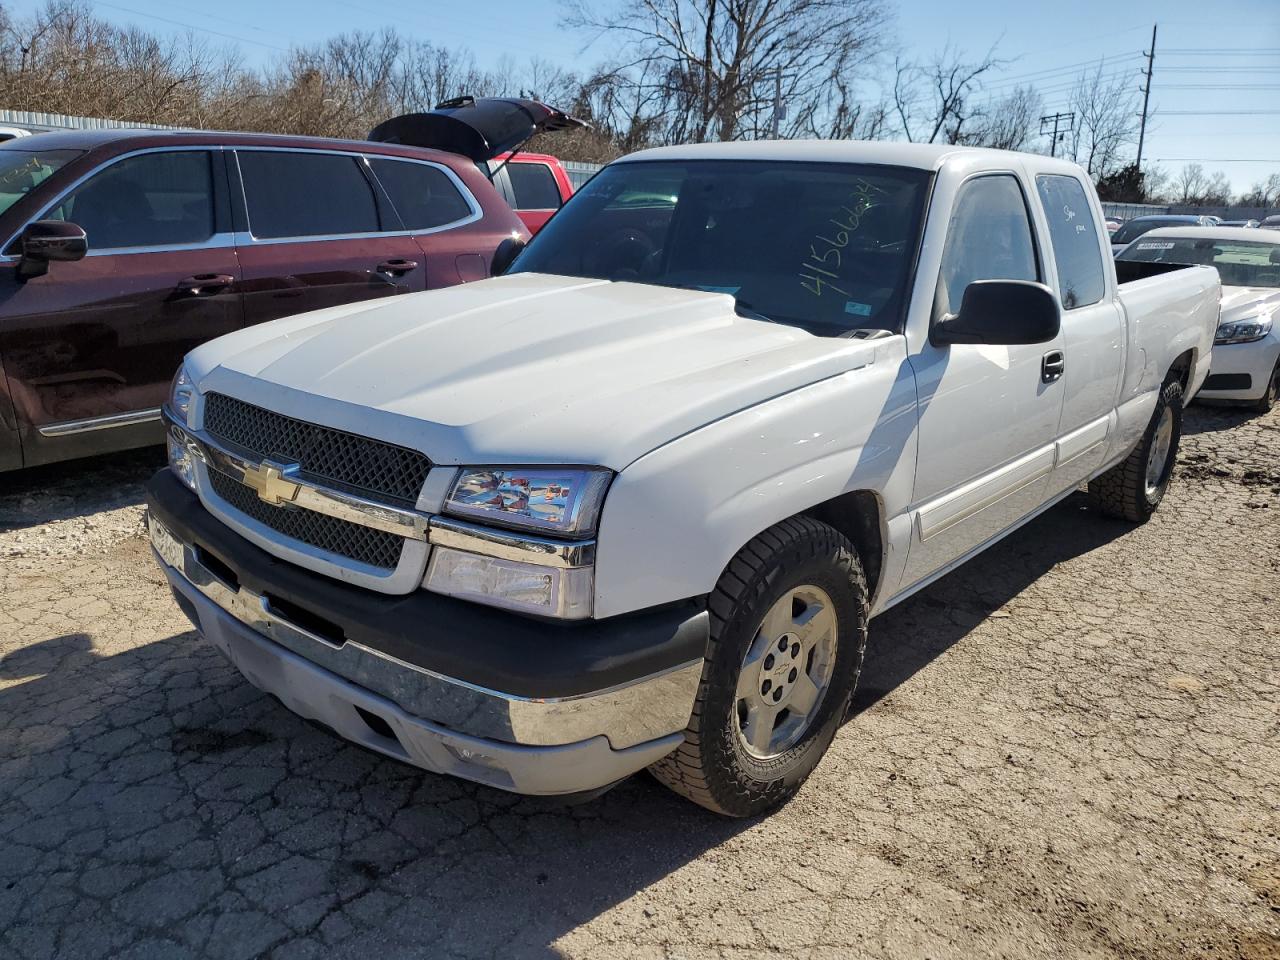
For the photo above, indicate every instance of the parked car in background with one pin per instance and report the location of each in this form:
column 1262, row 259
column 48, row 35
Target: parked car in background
column 535, row 184
column 490, row 131
column 632, row 503
column 13, row 133
column 1132, row 229
column 124, row 249
column 1270, row 223
column 1113, row 224
column 1246, row 350
column 1238, row 223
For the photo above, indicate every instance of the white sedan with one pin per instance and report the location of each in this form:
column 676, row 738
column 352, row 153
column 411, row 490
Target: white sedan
column 1246, row 350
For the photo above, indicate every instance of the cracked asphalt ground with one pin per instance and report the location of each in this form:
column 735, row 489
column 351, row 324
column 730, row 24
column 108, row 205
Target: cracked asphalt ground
column 1068, row 748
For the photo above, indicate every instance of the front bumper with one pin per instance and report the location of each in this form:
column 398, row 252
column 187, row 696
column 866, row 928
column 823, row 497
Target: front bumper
column 286, row 641
column 1241, row 371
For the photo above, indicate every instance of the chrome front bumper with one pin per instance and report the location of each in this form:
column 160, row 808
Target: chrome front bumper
column 524, row 744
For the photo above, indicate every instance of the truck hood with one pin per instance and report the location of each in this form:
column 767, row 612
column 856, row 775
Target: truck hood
column 1241, row 302
column 525, row 368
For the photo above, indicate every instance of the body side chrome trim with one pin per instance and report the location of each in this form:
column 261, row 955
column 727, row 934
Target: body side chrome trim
column 505, row 545
column 628, row 714
column 976, row 495
column 67, row 428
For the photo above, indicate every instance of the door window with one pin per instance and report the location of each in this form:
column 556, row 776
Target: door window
column 293, row 194
column 534, row 185
column 989, row 238
column 424, row 196
column 1074, row 237
column 157, row 199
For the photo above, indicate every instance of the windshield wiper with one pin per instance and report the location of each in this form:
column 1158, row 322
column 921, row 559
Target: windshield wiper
column 751, row 313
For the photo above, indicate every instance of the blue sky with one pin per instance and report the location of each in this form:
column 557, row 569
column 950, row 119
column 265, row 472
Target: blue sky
column 1202, row 64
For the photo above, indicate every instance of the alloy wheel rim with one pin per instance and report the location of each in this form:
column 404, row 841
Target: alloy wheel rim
column 786, row 672
column 1159, row 455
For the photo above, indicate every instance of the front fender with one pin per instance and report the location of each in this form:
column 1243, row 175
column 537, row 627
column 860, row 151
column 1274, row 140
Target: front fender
column 676, row 516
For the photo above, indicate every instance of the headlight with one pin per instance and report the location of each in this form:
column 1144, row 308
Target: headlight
column 1243, row 331
column 181, row 461
column 180, row 392
column 564, row 501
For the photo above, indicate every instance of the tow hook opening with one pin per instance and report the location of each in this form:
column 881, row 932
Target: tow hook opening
column 377, row 724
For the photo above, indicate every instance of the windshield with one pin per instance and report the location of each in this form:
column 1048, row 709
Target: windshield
column 1135, row 228
column 21, row 171
column 1240, row 263
column 823, row 246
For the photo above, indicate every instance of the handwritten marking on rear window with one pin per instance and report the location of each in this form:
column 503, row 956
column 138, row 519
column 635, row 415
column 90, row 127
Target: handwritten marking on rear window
column 826, row 252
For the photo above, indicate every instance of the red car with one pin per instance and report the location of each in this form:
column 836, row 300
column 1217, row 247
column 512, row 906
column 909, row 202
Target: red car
column 536, row 185
column 124, row 249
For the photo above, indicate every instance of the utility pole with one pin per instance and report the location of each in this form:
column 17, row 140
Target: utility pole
column 1146, row 94
column 1056, row 119
column 777, row 101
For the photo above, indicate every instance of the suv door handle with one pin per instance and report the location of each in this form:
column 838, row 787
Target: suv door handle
column 397, row 267
column 1052, row 366
column 203, row 284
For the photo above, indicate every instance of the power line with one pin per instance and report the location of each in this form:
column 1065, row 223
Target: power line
column 192, row 26
column 1055, row 119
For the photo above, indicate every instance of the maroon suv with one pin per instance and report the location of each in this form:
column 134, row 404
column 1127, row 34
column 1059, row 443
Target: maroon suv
column 124, row 249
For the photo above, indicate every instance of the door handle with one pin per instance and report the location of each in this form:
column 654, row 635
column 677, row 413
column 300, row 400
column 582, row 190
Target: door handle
column 1052, row 366
column 203, row 284
column 397, row 267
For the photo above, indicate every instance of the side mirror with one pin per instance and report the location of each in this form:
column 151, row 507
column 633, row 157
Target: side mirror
column 505, row 255
column 1001, row 312
column 44, row 241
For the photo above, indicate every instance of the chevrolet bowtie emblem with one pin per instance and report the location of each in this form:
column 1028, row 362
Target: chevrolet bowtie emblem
column 271, row 482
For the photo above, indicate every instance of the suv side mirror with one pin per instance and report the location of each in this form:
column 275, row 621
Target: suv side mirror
column 44, row 241
column 1001, row 312
column 505, row 255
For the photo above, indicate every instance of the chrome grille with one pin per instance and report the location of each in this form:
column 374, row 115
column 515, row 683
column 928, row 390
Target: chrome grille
column 351, row 540
column 371, row 468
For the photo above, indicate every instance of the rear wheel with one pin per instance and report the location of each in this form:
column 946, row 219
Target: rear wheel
column 1133, row 488
column 788, row 632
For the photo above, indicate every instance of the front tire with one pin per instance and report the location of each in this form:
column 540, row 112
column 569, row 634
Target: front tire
column 1271, row 394
column 1133, row 488
column 788, row 633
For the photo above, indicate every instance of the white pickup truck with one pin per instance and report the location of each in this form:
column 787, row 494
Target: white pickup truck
column 633, row 503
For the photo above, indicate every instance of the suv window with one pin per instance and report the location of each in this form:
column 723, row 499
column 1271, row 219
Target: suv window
column 151, row 200
column 989, row 238
column 306, row 194
column 534, row 185
column 423, row 195
column 1074, row 238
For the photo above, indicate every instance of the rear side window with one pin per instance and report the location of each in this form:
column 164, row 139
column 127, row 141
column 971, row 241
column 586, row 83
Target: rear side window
column 306, row 194
column 989, row 238
column 151, row 200
column 1074, row 238
column 534, row 185
column 423, row 195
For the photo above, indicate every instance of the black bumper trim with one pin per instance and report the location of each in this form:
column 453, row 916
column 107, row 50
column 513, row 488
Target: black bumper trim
column 491, row 648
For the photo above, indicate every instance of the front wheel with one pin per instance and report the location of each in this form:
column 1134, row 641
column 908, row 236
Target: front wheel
column 1271, row 394
column 1133, row 488
column 788, row 632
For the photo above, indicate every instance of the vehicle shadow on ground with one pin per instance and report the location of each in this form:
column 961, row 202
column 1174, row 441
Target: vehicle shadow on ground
column 1210, row 418
column 188, row 771
column 76, row 488
column 910, row 636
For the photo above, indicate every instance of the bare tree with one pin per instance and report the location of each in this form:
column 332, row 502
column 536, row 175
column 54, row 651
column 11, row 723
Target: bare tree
column 1190, row 184
column 710, row 68
column 1106, row 121
column 1008, row 123
column 1264, row 193
column 934, row 100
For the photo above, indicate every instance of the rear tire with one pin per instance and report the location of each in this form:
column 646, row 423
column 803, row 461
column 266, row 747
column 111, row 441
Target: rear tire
column 1133, row 488
column 768, row 707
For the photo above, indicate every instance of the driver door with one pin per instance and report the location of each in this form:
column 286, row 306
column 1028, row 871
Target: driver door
column 988, row 414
